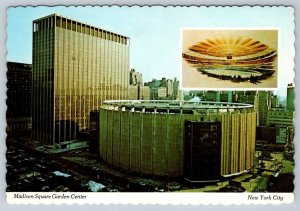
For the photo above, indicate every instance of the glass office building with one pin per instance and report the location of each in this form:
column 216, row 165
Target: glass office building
column 75, row 68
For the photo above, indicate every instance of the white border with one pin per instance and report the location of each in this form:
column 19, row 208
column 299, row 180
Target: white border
column 186, row 198
column 3, row 21
column 279, row 64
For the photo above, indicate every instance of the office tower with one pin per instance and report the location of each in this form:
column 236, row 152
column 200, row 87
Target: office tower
column 162, row 92
column 136, row 89
column 144, row 93
column 138, row 92
column 180, row 95
column 274, row 101
column 264, row 104
column 218, row 96
column 153, row 85
column 175, row 88
column 75, row 68
column 19, row 83
column 135, row 78
column 281, row 117
column 229, row 96
column 290, row 97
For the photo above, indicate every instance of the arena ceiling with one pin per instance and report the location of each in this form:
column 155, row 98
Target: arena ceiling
column 237, row 58
column 229, row 47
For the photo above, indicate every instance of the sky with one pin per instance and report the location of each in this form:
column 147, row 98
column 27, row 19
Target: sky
column 155, row 48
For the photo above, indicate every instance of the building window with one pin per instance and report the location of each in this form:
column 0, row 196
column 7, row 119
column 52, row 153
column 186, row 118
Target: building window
column 35, row 27
column 69, row 25
column 87, row 30
column 64, row 23
column 78, row 27
column 74, row 26
column 58, row 22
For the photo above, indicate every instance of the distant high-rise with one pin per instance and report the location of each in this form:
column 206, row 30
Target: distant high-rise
column 274, row 101
column 19, row 83
column 135, row 78
column 175, row 88
column 75, row 68
column 264, row 104
column 290, row 97
column 282, row 119
column 164, row 89
column 229, row 96
column 136, row 89
column 211, row 96
column 218, row 96
column 245, row 97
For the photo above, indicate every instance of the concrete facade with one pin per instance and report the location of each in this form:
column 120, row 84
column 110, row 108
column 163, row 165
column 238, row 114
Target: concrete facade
column 148, row 136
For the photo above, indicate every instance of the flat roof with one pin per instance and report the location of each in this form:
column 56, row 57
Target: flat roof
column 175, row 104
column 58, row 15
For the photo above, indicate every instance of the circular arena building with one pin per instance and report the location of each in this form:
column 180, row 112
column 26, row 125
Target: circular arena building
column 237, row 59
column 200, row 141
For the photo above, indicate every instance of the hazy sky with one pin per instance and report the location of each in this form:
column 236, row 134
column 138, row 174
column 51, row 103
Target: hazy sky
column 155, row 32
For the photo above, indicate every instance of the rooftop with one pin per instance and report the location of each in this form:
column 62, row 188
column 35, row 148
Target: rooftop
column 175, row 104
column 77, row 22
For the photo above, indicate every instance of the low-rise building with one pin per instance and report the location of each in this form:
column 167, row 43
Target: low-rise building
column 282, row 119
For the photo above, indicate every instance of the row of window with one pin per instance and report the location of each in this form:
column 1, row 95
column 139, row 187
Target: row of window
column 40, row 25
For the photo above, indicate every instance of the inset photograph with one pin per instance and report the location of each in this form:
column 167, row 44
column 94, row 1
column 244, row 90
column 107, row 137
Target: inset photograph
column 229, row 59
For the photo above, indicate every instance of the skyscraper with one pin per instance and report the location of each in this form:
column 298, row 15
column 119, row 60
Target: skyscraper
column 290, row 97
column 137, row 90
column 175, row 88
column 135, row 78
column 274, row 101
column 264, row 104
column 75, row 67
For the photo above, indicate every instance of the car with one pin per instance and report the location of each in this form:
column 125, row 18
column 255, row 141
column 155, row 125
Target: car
column 157, row 189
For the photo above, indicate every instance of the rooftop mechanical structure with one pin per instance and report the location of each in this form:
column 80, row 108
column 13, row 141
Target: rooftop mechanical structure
column 200, row 141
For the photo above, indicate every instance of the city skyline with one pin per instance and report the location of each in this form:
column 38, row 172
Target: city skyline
column 147, row 35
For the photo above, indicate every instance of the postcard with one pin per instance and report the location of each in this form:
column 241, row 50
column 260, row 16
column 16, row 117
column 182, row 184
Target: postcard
column 150, row 105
